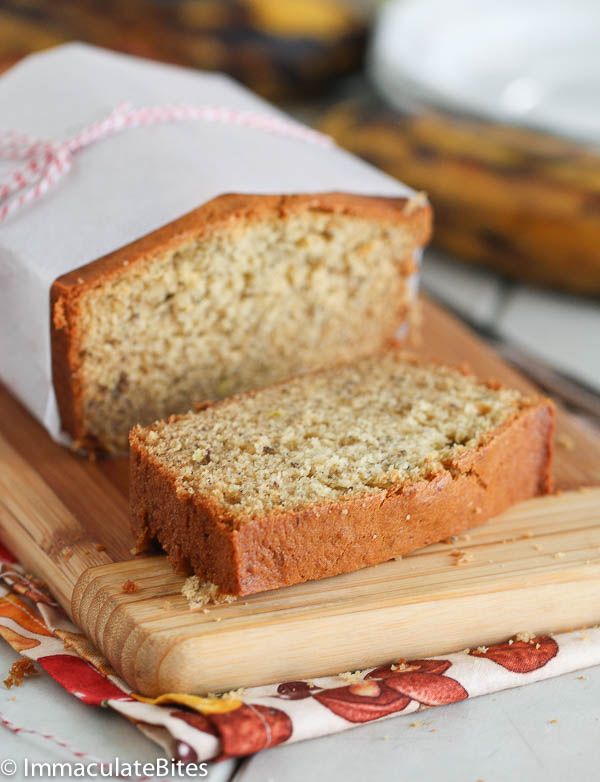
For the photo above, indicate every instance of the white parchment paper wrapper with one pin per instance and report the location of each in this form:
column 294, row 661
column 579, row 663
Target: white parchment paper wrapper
column 129, row 184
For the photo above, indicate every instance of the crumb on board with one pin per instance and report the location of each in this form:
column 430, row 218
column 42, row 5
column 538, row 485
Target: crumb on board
column 559, row 555
column 99, row 546
column 200, row 594
column 552, row 722
column 451, row 540
column 417, row 724
column 461, row 557
column 129, row 587
column 67, row 553
column 566, row 441
column 21, row 669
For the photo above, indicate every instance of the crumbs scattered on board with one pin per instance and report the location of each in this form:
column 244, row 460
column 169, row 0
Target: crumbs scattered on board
column 461, row 557
column 129, row 587
column 19, row 671
column 566, row 442
column 200, row 594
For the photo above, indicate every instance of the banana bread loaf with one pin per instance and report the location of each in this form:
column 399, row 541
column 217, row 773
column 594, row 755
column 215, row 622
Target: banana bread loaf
column 335, row 470
column 243, row 292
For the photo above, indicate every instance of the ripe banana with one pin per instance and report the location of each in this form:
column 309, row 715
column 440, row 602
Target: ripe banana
column 520, row 201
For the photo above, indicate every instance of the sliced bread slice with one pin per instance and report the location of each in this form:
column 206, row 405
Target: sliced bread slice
column 241, row 293
column 335, row 470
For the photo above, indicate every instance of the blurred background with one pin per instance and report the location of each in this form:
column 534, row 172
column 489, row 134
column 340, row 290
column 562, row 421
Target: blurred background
column 490, row 106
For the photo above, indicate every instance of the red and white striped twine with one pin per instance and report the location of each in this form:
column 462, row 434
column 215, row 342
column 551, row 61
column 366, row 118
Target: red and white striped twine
column 46, row 162
column 79, row 754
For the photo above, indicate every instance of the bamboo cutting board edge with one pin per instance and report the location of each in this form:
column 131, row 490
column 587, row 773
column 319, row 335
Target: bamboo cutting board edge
column 158, row 644
column 66, row 520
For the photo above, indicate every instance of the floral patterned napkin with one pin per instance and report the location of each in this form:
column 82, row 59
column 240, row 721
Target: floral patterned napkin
column 191, row 728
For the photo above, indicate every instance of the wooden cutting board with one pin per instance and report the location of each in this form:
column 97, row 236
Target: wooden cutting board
column 536, row 568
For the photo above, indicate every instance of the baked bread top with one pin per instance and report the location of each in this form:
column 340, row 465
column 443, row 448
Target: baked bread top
column 361, row 429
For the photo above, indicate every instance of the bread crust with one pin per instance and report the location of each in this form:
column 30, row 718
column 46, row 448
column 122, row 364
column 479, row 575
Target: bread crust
column 279, row 549
column 68, row 290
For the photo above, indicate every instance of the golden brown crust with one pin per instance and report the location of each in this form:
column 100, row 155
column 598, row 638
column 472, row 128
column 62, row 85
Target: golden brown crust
column 325, row 540
column 68, row 290
column 64, row 340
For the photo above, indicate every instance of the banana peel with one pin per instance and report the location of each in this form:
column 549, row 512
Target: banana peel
column 519, row 201
column 282, row 49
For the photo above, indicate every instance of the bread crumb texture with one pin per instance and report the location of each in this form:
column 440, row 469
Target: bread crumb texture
column 379, row 423
column 129, row 587
column 200, row 594
column 352, row 676
column 21, row 669
column 251, row 303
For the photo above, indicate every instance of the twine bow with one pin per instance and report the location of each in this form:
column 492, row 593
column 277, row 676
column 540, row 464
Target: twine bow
column 45, row 163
